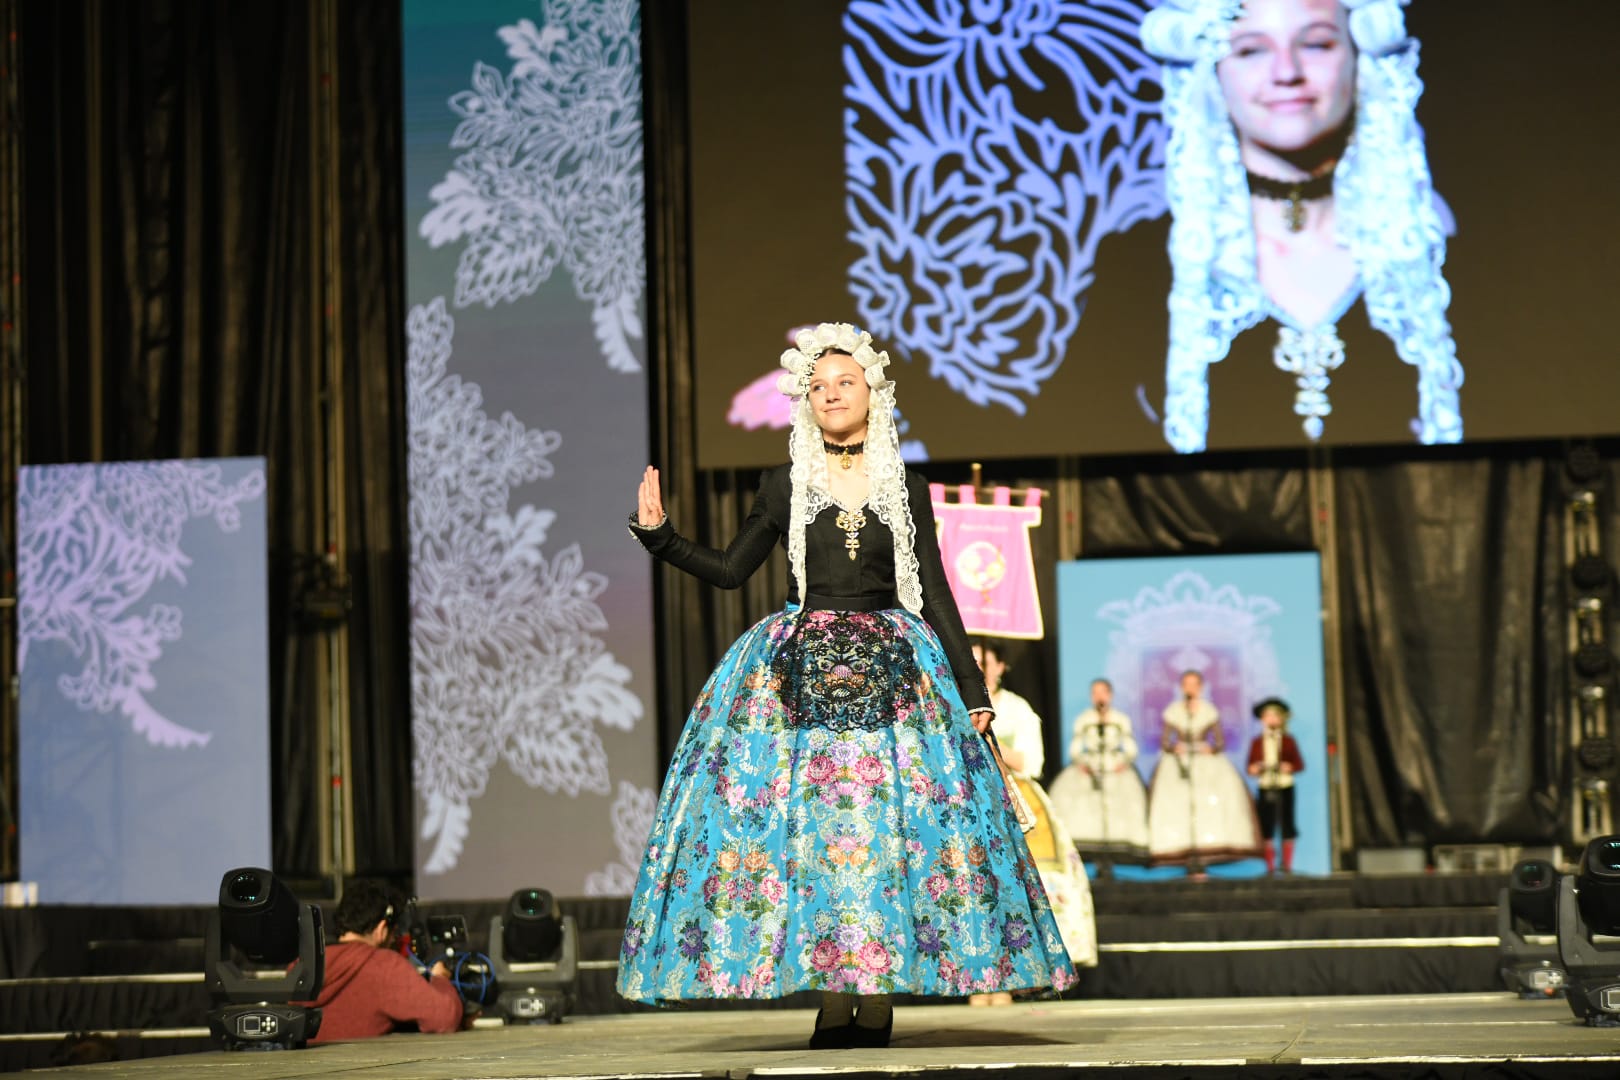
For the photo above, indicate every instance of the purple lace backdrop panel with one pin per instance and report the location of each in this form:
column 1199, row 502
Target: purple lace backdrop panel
column 145, row 726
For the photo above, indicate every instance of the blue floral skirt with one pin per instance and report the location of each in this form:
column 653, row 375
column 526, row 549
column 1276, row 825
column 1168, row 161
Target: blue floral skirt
column 804, row 849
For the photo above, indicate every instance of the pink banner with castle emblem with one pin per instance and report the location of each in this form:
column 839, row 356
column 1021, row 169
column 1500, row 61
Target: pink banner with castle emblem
column 986, row 547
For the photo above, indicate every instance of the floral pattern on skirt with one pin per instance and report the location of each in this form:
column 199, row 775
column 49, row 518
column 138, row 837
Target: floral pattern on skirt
column 786, row 857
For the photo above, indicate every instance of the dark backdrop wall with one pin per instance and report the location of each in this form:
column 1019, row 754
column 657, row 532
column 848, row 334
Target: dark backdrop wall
column 194, row 261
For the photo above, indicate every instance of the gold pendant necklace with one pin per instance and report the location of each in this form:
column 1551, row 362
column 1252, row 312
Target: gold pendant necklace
column 1294, row 212
column 1294, row 194
column 846, row 454
column 852, row 522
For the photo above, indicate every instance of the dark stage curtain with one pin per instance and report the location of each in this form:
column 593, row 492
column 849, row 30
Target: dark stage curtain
column 681, row 652
column 371, row 263
column 1223, row 504
column 695, row 623
column 1452, row 605
column 175, row 308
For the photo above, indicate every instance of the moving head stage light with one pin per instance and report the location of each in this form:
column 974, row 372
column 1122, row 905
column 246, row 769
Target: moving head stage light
column 1527, row 927
column 534, row 951
column 284, row 946
column 1589, row 908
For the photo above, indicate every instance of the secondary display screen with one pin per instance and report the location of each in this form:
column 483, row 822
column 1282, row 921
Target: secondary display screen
column 1107, row 226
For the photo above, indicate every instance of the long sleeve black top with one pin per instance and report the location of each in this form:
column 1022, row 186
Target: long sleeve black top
column 828, row 569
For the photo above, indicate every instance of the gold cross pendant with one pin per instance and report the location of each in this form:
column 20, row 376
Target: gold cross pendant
column 852, row 522
column 1294, row 212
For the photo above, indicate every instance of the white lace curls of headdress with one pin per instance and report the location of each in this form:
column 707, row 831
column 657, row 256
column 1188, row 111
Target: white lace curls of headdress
column 1385, row 209
column 1184, row 31
column 885, row 472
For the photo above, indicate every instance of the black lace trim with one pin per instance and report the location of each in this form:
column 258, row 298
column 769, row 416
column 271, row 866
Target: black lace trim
column 846, row 670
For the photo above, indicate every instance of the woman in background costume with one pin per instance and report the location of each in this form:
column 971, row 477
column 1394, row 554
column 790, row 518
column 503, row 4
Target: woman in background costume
column 1018, row 730
column 1199, row 810
column 1100, row 797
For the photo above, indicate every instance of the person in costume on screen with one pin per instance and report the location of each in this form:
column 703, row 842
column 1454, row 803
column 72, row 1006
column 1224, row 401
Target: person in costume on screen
column 1018, row 731
column 1199, row 809
column 834, row 818
column 1100, row 797
column 1274, row 761
column 1307, row 242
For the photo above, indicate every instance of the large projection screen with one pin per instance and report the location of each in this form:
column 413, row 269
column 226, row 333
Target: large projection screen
column 1064, row 219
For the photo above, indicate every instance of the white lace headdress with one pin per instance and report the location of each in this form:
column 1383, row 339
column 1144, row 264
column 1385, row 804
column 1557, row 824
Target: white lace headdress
column 885, row 472
column 1386, row 217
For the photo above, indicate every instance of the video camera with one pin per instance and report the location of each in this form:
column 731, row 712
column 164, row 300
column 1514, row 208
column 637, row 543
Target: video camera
column 530, row 972
column 434, row 939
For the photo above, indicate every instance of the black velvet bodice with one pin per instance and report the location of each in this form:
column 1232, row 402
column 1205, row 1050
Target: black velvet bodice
column 1116, row 367
column 829, row 571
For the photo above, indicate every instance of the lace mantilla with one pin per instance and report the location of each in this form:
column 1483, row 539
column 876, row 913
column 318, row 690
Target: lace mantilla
column 885, row 471
column 1187, row 31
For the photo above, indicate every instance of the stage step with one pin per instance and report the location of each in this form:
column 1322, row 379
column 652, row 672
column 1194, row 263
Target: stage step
column 1297, row 925
column 1294, row 969
column 102, row 1003
column 65, row 969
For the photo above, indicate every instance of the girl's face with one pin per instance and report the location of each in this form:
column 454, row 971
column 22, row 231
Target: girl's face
column 1273, row 718
column 839, row 396
column 1290, row 77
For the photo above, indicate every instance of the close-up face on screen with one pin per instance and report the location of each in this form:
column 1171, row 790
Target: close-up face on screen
column 1127, row 226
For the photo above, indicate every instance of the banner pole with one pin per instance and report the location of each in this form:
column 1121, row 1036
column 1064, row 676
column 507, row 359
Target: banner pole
column 1319, row 475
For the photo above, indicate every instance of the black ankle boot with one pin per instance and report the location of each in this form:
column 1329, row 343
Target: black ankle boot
column 867, row 1038
column 832, row 1038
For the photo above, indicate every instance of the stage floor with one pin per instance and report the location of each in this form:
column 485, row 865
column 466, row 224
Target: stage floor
column 1461, row 1035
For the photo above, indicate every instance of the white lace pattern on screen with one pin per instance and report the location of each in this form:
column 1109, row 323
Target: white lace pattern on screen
column 1190, row 612
column 92, row 541
column 551, row 169
column 506, row 661
column 977, row 214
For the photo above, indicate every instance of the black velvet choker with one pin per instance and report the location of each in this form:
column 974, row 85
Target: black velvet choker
column 1293, row 192
column 846, row 454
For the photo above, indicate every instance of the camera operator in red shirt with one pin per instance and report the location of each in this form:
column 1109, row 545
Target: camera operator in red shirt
column 370, row 988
